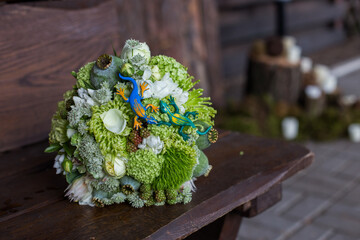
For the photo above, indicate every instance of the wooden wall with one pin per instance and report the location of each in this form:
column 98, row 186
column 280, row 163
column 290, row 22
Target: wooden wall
column 315, row 24
column 41, row 42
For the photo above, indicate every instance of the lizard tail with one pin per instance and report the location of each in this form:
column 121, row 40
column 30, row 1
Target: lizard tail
column 125, row 78
column 205, row 132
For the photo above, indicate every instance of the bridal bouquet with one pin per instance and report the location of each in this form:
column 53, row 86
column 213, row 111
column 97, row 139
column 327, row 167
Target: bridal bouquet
column 132, row 130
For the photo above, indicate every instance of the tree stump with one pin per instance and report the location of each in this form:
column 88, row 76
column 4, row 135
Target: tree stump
column 274, row 76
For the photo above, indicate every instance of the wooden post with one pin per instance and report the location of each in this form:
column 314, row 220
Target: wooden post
column 276, row 77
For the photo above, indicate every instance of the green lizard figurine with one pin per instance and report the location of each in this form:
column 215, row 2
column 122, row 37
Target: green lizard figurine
column 179, row 120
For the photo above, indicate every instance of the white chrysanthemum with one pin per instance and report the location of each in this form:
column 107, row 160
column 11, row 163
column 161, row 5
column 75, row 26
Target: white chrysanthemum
column 152, row 142
column 80, row 191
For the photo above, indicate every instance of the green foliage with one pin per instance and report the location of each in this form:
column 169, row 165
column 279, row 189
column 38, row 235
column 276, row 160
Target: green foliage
column 72, row 176
column 83, row 76
column 177, row 71
column 177, row 167
column 144, row 165
column 58, row 131
column 202, row 167
column 53, row 148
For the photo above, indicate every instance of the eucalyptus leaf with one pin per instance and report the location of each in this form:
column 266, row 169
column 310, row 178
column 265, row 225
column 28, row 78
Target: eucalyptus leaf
column 53, row 148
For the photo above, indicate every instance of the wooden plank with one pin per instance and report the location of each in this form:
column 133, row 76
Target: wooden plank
column 230, row 4
column 35, row 69
column 258, row 22
column 338, row 53
column 231, row 226
column 263, row 202
column 233, row 181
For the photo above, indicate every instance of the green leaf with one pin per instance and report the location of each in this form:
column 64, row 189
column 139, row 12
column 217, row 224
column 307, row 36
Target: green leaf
column 114, row 51
column 53, row 148
column 69, row 149
column 71, row 177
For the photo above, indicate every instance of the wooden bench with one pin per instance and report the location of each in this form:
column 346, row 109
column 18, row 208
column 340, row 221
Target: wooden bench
column 35, row 72
column 245, row 180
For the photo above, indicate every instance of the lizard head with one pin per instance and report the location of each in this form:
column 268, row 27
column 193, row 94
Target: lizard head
column 164, row 108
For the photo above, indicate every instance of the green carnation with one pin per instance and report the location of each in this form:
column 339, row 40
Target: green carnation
column 144, row 165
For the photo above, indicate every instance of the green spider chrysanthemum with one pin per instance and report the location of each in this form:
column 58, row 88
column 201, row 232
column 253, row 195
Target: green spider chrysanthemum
column 109, row 142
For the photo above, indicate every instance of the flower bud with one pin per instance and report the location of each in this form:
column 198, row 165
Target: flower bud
column 133, row 48
column 127, row 70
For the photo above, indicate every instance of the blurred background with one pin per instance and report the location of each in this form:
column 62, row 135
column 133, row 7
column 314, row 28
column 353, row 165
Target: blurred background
column 280, row 69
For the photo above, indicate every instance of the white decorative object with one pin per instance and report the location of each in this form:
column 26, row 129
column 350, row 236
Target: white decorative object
column 290, row 127
column 294, row 54
column 354, row 132
column 321, row 73
column 306, row 64
column 348, row 100
column 330, row 84
column 288, row 42
column 313, row 92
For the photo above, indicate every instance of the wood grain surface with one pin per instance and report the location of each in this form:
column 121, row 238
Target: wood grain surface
column 33, row 206
column 39, row 47
column 41, row 42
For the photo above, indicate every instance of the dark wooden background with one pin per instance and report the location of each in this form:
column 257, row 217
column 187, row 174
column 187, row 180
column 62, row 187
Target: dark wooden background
column 41, row 42
column 316, row 25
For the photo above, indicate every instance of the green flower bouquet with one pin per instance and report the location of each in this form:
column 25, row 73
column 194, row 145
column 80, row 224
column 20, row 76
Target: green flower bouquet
column 132, row 130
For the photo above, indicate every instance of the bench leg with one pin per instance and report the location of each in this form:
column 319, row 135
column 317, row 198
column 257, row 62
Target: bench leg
column 231, row 226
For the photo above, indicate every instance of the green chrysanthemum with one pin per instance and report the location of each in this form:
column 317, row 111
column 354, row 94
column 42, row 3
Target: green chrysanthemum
column 144, row 165
column 109, row 142
column 201, row 105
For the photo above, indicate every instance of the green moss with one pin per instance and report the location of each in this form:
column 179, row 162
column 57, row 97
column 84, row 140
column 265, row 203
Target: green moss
column 109, row 142
column 179, row 161
column 144, row 165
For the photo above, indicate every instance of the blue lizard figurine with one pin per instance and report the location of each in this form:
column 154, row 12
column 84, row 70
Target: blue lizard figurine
column 135, row 102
